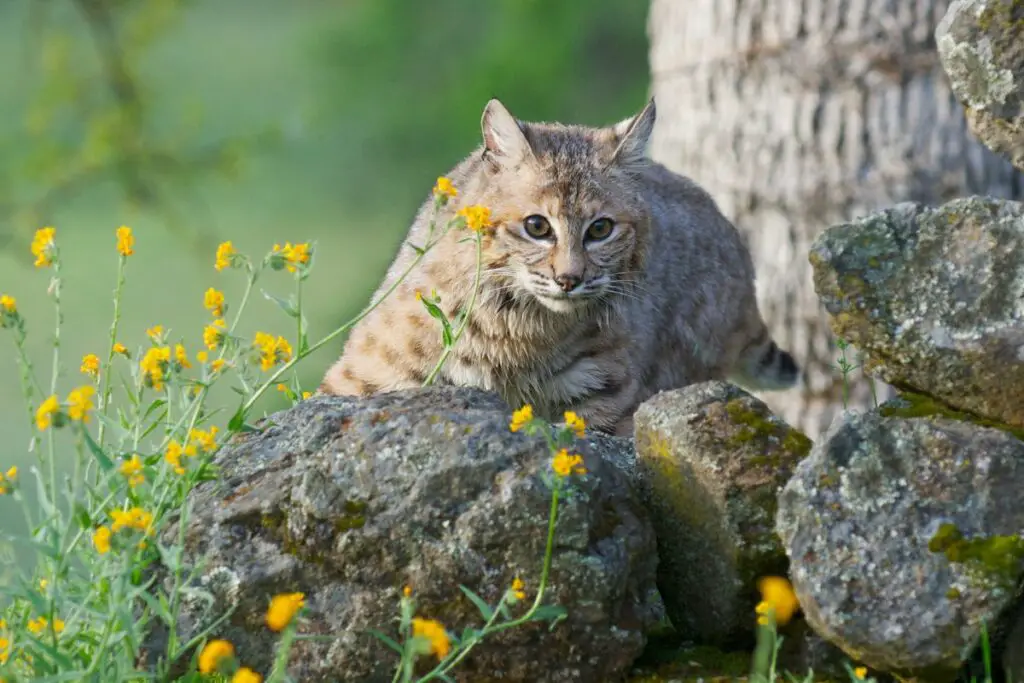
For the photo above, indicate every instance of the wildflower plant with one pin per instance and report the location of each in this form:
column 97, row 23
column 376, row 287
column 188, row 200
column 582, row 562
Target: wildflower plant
column 137, row 434
column 421, row 637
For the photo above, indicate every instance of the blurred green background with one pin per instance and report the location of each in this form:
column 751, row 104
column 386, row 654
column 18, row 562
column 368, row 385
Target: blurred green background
column 258, row 121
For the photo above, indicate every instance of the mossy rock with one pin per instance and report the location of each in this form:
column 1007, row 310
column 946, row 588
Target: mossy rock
column 711, row 460
column 910, row 543
column 931, row 295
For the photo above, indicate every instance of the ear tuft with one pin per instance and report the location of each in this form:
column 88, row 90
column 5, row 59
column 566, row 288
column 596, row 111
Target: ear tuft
column 633, row 135
column 503, row 136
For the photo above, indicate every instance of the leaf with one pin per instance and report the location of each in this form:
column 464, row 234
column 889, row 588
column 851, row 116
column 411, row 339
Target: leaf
column 117, row 431
column 387, row 640
column 484, row 608
column 44, row 499
column 158, row 403
column 101, row 458
column 237, row 420
column 159, row 607
column 82, row 516
column 556, row 612
column 287, row 306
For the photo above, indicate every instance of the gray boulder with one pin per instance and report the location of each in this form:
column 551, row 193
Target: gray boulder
column 711, row 460
column 904, row 536
column 350, row 500
column 935, row 298
column 981, row 45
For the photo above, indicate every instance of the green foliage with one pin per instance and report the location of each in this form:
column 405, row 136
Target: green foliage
column 91, row 119
column 102, row 540
column 413, row 78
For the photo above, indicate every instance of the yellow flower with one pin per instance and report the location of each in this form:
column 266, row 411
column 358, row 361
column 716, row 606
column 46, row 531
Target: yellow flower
column 521, row 417
column 283, row 608
column 213, row 334
column 517, row 588
column 125, row 241
column 218, row 364
column 173, row 456
column 225, row 254
column 407, row 591
column 575, row 423
column 444, row 188
column 120, row 348
column 6, row 479
column 154, row 366
column 91, row 364
column 8, row 304
column 43, row 246
column 155, row 333
column 202, row 356
column 5, row 650
column 246, row 675
column 135, row 518
column 46, row 412
column 777, row 597
column 133, row 470
column 306, row 394
column 181, row 357
column 272, row 351
column 213, row 300
column 477, row 217
column 80, row 403
column 282, row 387
column 101, row 539
column 212, row 655
column 296, row 255
column 43, row 583
column 860, row 672
column 564, row 464
column 37, row 625
column 435, row 634
column 207, row 440
column 290, row 256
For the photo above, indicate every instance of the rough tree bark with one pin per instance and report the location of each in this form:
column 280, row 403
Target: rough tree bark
column 797, row 114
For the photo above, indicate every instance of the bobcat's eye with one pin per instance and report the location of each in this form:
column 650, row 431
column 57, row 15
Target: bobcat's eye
column 600, row 229
column 537, row 227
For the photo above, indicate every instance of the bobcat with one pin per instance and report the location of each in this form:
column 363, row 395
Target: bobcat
column 606, row 279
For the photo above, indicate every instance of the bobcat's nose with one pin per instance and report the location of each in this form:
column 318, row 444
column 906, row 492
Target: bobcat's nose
column 567, row 281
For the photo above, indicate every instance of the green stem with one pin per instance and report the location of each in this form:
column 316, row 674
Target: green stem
column 54, row 372
column 298, row 311
column 105, row 379
column 272, row 380
column 28, row 376
column 465, row 316
column 489, row 629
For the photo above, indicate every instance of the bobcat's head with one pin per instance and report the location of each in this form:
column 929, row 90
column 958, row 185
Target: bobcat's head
column 570, row 222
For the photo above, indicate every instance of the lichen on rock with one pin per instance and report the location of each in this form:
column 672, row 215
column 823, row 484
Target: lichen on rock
column 981, row 45
column 903, row 537
column 935, row 299
column 349, row 500
column 711, row 459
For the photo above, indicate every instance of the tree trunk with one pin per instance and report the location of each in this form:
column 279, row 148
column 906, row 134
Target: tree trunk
column 798, row 114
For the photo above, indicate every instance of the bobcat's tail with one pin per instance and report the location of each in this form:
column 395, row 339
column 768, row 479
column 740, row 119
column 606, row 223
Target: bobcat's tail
column 764, row 366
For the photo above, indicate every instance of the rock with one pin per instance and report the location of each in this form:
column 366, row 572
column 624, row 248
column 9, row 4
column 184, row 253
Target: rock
column 348, row 501
column 981, row 45
column 903, row 538
column 711, row 459
column 935, row 298
column 803, row 651
column 1012, row 659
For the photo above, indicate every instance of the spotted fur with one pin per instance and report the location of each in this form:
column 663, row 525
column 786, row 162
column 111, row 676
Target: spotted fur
column 570, row 322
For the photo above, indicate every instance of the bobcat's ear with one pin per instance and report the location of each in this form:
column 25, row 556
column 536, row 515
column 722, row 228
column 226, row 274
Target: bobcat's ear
column 504, row 139
column 633, row 135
